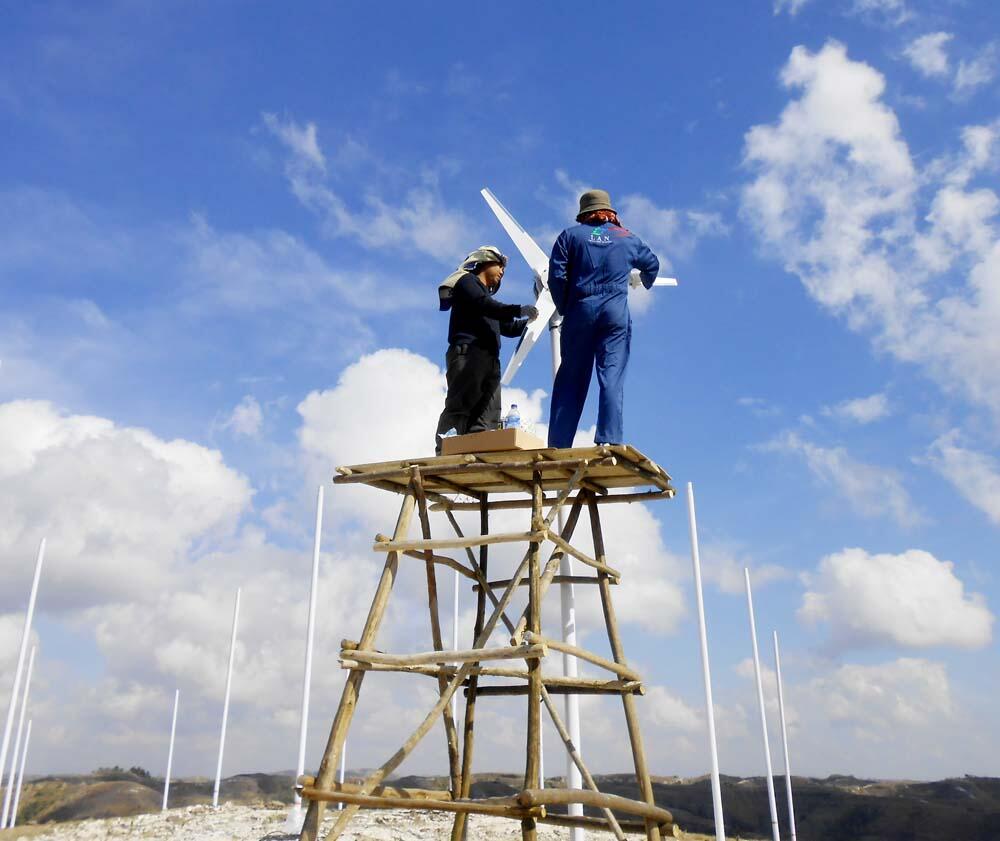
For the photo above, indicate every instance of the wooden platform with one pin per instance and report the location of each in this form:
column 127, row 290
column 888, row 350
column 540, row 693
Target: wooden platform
column 605, row 468
column 556, row 487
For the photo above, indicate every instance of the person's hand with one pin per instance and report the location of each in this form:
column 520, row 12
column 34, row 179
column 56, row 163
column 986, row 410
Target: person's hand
column 529, row 312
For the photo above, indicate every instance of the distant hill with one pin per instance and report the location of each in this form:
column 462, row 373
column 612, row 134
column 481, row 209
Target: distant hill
column 839, row 807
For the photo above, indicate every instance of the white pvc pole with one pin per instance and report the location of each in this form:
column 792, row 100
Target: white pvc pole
column 720, row 829
column 454, row 645
column 20, row 776
column 343, row 765
column 784, row 738
column 170, row 752
column 300, row 767
column 763, row 713
column 567, row 602
column 8, row 794
column 25, row 634
column 225, row 705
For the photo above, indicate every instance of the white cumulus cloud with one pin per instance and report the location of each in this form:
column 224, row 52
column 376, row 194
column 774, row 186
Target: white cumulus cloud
column 975, row 475
column 910, row 256
column 911, row 599
column 860, row 410
column 878, row 700
column 928, row 55
column 977, row 71
column 419, row 219
column 119, row 505
column 246, row 418
column 871, row 490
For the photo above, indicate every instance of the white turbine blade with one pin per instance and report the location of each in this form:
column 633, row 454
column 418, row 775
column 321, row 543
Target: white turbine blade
column 546, row 309
column 536, row 259
column 635, row 280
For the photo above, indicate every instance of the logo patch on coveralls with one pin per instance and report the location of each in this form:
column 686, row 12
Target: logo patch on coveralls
column 598, row 237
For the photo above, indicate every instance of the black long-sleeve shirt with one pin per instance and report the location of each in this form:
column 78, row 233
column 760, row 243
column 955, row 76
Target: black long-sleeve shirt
column 479, row 318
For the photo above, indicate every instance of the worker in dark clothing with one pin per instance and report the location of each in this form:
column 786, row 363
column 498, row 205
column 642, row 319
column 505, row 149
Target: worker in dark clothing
column 478, row 320
column 589, row 279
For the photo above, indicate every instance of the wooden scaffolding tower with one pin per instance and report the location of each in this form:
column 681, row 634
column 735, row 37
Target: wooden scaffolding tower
column 545, row 482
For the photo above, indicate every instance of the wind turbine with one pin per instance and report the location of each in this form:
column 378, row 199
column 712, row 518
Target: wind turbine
column 538, row 262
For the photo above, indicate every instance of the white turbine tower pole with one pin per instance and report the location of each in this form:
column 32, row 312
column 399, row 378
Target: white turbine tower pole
column 296, row 814
column 567, row 604
column 454, row 644
column 763, row 713
column 343, row 766
column 20, row 776
column 9, row 793
column 25, row 635
column 225, row 704
column 170, row 752
column 784, row 738
column 720, row 829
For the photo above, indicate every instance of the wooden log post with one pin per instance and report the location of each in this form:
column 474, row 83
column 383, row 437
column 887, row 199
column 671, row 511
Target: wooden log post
column 451, row 734
column 532, row 768
column 628, row 700
column 460, row 827
column 352, row 686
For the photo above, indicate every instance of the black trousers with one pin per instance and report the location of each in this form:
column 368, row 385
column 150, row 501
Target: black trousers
column 473, row 401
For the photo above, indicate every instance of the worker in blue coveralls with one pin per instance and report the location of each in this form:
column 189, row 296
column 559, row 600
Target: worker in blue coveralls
column 589, row 280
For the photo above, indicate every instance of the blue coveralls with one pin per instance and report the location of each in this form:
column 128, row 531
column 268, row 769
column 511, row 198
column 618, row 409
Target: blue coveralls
column 588, row 277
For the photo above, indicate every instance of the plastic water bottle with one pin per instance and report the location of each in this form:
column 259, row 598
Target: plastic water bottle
column 513, row 419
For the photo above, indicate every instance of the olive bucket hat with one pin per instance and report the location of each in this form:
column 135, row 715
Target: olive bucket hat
column 594, row 200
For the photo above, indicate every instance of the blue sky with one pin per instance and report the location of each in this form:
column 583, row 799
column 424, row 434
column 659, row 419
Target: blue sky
column 221, row 230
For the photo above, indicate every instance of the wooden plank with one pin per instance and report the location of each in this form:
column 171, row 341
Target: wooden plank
column 456, row 471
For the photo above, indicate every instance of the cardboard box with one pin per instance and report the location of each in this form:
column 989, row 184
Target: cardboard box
column 493, row 440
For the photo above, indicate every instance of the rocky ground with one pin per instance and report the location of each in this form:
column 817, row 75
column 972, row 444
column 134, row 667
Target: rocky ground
column 232, row 822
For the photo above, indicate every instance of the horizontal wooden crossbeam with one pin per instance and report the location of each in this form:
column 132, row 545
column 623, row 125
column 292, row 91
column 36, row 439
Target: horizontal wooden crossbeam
column 599, row 800
column 556, row 579
column 520, row 504
column 607, row 687
column 469, row 655
column 505, row 807
column 307, row 781
column 386, row 544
